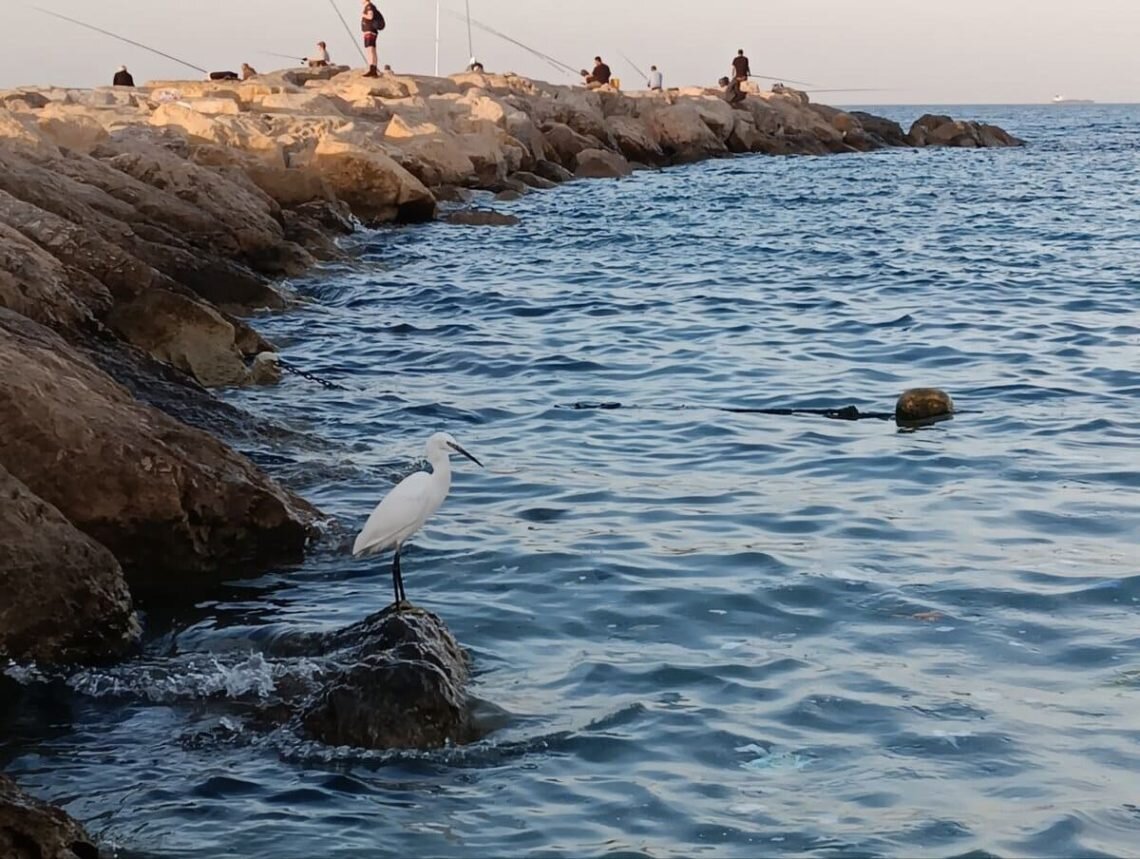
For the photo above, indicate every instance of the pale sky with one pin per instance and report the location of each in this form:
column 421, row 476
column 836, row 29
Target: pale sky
column 912, row 51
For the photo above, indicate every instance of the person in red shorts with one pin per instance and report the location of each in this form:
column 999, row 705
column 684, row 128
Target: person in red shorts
column 371, row 23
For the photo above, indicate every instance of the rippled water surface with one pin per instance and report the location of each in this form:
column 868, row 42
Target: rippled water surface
column 700, row 632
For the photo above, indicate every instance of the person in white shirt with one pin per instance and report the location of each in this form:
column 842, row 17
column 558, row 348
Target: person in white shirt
column 320, row 59
column 656, row 79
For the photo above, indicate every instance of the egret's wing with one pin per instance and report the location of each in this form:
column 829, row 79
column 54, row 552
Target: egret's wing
column 397, row 517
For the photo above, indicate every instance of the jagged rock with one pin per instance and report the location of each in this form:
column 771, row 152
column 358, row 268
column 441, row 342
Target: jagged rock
column 402, row 687
column 31, row 829
column 885, row 131
column 173, row 504
column 920, row 406
column 683, row 134
column 376, row 187
column 480, row 218
column 65, row 599
column 184, row 333
column 600, row 164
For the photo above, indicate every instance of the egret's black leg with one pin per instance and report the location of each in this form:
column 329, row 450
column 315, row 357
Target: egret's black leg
column 397, row 586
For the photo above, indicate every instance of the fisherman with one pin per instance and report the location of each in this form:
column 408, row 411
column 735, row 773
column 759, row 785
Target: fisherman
column 656, row 81
column 599, row 77
column 371, row 23
column 123, row 78
column 247, row 71
column 320, row 59
column 741, row 68
column 733, row 94
column 475, row 66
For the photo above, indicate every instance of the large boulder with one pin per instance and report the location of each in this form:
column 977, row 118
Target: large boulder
column 173, row 504
column 601, row 164
column 683, row 134
column 376, row 188
column 403, row 686
column 65, row 599
column 884, row 131
column 566, row 143
column 31, row 829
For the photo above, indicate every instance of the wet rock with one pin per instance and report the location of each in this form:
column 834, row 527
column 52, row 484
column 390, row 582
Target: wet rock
column 65, row 599
column 552, row 172
column 402, row 687
column 480, row 218
column 600, row 164
column 508, row 196
column 939, row 130
column 377, row 188
column 884, row 131
column 173, row 504
column 920, row 406
column 533, row 180
column 31, row 829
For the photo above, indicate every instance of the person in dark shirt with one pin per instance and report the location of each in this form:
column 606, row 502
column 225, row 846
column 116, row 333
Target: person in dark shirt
column 370, row 19
column 600, row 76
column 741, row 68
column 123, row 78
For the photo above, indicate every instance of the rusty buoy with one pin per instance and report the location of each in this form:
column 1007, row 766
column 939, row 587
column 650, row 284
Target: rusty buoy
column 921, row 406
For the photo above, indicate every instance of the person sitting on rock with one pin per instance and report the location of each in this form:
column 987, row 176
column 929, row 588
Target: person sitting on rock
column 123, row 78
column 741, row 68
column 475, row 66
column 320, row 59
column 247, row 71
column 600, row 76
column 733, row 94
column 656, row 81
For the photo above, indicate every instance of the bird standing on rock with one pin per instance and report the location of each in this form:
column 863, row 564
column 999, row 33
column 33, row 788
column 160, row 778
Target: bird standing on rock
column 405, row 509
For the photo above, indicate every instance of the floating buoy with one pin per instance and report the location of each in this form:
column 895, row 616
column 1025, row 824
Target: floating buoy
column 921, row 406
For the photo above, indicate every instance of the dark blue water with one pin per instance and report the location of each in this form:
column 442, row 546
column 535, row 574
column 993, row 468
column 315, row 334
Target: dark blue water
column 710, row 634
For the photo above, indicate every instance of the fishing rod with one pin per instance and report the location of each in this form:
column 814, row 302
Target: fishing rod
column 633, row 65
column 282, row 56
column 558, row 64
column 774, row 78
column 348, row 30
column 121, row 39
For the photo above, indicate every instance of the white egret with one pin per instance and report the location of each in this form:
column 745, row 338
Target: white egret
column 405, row 509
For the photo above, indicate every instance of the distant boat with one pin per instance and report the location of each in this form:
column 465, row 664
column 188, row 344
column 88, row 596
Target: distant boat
column 1060, row 99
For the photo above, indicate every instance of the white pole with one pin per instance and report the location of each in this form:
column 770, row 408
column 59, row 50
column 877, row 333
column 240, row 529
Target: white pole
column 470, row 44
column 437, row 38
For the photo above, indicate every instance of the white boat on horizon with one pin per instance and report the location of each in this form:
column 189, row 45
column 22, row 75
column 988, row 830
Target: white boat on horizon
column 1060, row 99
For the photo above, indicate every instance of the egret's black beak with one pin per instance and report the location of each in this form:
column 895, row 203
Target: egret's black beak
column 459, row 449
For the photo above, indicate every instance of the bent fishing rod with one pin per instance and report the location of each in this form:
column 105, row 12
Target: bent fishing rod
column 120, row 38
column 557, row 64
column 348, row 30
column 633, row 65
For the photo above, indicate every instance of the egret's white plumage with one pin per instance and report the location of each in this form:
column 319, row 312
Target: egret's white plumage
column 405, row 509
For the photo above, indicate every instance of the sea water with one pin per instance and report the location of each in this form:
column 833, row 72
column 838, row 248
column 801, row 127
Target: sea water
column 696, row 632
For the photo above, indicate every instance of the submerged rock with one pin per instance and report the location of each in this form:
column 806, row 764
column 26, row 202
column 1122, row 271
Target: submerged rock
column 920, row 406
column 480, row 218
column 31, row 829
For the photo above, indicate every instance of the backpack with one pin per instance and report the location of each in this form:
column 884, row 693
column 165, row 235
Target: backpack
column 378, row 22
